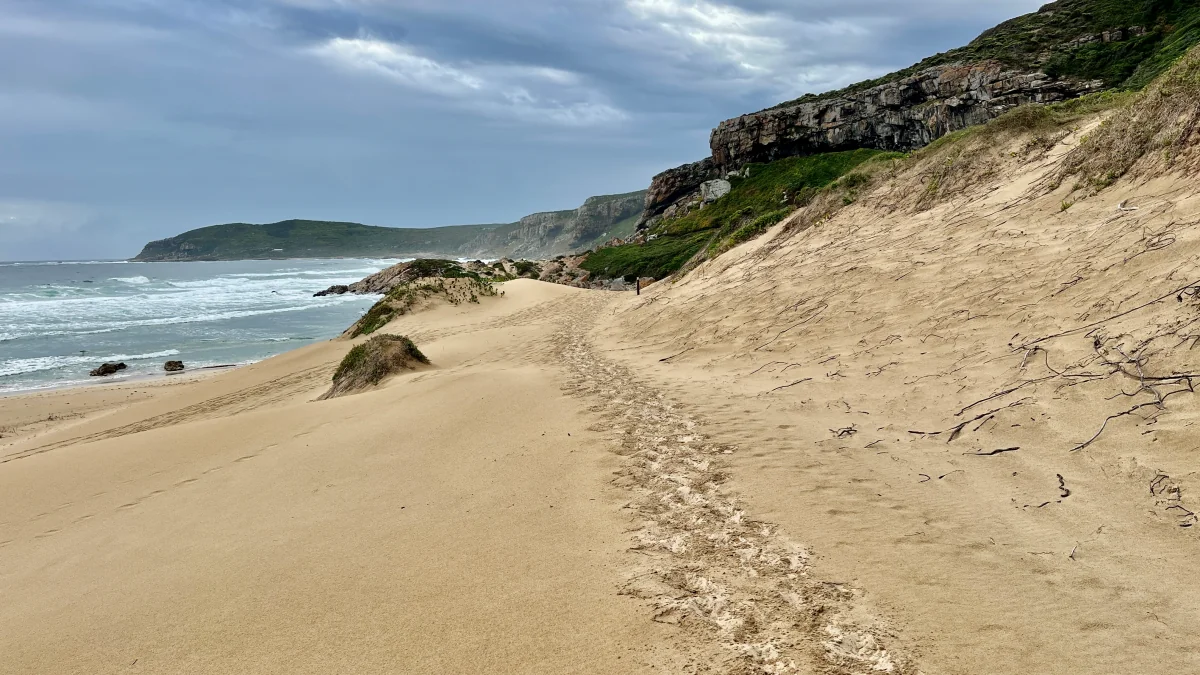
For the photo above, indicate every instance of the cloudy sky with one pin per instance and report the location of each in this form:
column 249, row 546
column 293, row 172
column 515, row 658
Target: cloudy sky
column 127, row 120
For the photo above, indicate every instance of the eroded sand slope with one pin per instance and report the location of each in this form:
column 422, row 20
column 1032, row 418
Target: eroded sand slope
column 977, row 413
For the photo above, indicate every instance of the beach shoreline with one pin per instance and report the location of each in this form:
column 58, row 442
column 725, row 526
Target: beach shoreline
column 141, row 379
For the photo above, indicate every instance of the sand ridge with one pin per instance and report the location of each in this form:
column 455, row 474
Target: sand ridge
column 979, row 414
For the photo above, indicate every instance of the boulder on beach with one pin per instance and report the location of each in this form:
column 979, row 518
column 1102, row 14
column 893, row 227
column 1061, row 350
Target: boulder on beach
column 173, row 366
column 107, row 369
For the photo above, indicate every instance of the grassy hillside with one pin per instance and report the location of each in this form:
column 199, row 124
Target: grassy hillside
column 541, row 234
column 307, row 239
column 1040, row 40
column 763, row 198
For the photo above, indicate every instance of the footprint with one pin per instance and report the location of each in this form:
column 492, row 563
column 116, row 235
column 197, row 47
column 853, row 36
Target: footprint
column 130, row 505
column 47, row 533
column 185, row 482
column 80, row 519
column 242, row 459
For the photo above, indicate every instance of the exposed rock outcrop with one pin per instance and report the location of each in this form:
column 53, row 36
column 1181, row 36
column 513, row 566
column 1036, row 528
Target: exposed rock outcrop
column 903, row 114
column 173, row 366
column 106, row 369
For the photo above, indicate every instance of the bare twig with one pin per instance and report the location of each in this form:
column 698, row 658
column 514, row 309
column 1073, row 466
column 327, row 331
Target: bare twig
column 992, row 453
column 679, row 354
column 807, row 379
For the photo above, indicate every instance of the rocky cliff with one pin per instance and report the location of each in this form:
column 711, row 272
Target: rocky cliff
column 543, row 235
column 904, row 114
column 1064, row 50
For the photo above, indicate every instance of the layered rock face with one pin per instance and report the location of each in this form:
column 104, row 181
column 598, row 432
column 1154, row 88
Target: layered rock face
column 559, row 232
column 903, row 115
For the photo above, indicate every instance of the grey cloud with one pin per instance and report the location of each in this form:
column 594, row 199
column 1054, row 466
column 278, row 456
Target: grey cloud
column 149, row 117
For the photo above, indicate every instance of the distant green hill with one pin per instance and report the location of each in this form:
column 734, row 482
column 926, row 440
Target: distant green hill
column 308, row 239
column 537, row 235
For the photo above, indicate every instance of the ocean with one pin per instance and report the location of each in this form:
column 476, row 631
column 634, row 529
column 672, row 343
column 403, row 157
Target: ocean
column 58, row 320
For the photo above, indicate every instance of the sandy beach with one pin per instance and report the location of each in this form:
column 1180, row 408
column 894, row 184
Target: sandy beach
column 904, row 444
column 456, row 520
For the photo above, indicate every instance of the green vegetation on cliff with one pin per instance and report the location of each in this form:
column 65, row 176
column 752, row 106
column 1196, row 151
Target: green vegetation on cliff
column 1058, row 39
column 659, row 258
column 764, row 197
column 769, row 188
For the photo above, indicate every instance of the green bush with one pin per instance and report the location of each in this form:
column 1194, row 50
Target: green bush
column 367, row 364
column 659, row 258
column 783, row 184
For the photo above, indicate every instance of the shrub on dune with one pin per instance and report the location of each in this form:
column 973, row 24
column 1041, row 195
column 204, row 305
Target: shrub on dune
column 368, row 364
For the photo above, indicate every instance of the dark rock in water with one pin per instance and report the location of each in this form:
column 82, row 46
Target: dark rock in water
column 108, row 369
column 173, row 366
column 338, row 289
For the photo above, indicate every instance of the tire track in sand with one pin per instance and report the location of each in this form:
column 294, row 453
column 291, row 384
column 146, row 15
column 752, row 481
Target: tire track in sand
column 743, row 595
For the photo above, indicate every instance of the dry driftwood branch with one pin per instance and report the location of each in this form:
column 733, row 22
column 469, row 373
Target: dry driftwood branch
column 807, row 379
column 1158, row 404
column 1194, row 286
column 993, row 452
column 1000, row 394
column 679, row 354
column 954, row 431
column 794, row 326
column 766, row 365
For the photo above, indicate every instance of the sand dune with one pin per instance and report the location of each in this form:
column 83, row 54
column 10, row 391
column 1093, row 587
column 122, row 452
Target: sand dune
column 944, row 435
column 971, row 413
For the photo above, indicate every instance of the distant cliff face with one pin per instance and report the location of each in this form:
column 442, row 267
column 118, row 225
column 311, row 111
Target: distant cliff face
column 545, row 235
column 1064, row 50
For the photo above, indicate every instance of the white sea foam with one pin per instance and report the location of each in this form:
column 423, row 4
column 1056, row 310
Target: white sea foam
column 23, row 366
column 171, row 309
